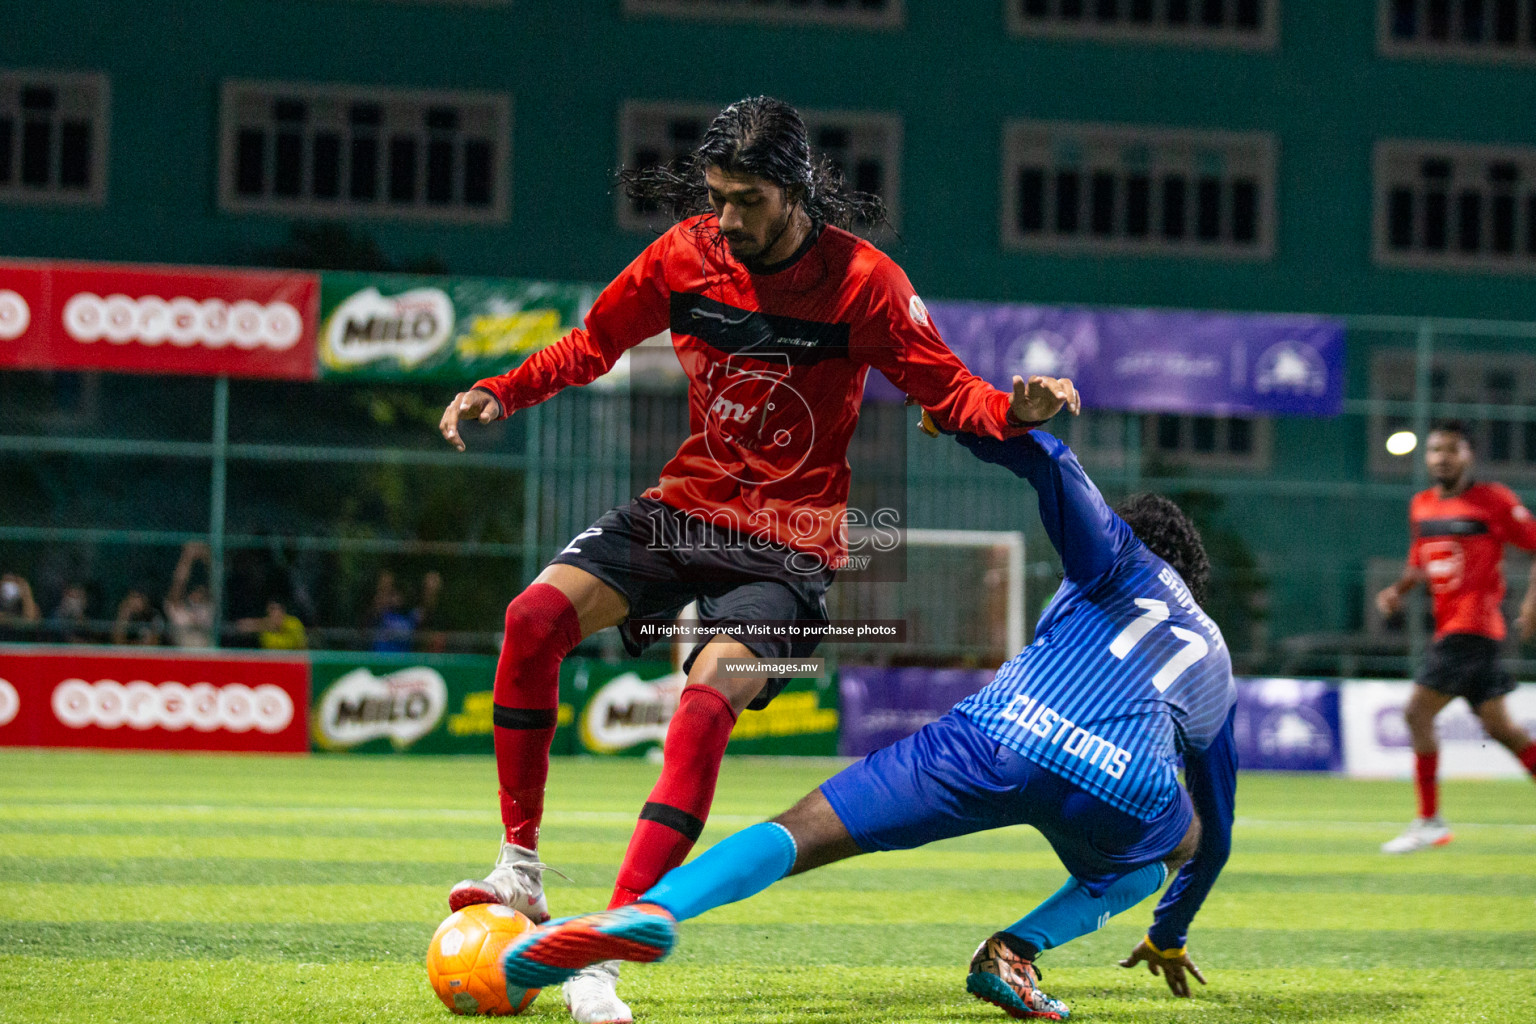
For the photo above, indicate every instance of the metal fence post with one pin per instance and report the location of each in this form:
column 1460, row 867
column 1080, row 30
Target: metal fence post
column 1422, row 397
column 216, row 496
column 533, row 469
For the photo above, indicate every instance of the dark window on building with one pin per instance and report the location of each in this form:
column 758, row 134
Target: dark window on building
column 1459, row 205
column 1031, row 199
column 1066, row 202
column 1208, row 215
column 1204, row 20
column 1463, row 27
column 1123, row 186
column 1103, row 203
column 327, row 166
column 1173, row 207
column 52, row 137
column 7, row 131
column 1169, row 433
column 250, row 162
column 478, row 180
column 1138, row 205
column 326, row 149
column 75, row 155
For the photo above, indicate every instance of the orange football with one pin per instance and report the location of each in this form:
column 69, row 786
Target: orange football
column 464, row 961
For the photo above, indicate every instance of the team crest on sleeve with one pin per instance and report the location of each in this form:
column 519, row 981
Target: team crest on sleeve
column 917, row 311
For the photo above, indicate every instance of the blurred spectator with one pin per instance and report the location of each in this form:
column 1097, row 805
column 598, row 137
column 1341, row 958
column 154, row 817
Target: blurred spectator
column 394, row 628
column 254, row 579
column 189, row 612
column 137, row 621
column 18, row 610
column 277, row 630
column 70, row 622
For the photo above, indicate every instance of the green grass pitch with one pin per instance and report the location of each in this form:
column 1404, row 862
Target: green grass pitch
column 138, row 888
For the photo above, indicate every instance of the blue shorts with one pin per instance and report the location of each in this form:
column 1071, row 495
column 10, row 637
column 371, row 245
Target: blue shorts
column 951, row 779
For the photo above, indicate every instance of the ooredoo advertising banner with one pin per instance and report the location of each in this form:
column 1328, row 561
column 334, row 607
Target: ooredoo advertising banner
column 1377, row 744
column 133, row 319
column 125, row 701
column 23, row 307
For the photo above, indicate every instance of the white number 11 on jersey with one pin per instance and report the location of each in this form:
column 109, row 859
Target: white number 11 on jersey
column 1153, row 612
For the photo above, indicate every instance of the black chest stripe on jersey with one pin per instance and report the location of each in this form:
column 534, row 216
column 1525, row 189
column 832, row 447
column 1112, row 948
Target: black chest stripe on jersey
column 749, row 332
column 1451, row 527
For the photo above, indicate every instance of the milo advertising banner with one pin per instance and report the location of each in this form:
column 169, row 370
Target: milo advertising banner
column 391, row 326
column 438, row 704
column 626, row 707
column 443, row 704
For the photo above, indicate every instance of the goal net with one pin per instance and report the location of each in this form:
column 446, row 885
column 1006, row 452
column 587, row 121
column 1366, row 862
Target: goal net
column 962, row 598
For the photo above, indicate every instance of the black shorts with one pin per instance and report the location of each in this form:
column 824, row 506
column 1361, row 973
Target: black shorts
column 660, row 559
column 1466, row 665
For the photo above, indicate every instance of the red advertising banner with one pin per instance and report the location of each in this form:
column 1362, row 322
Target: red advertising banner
column 23, row 307
column 239, row 323
column 55, row 698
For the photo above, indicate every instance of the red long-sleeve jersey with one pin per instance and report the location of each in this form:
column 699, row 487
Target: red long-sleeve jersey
column 776, row 364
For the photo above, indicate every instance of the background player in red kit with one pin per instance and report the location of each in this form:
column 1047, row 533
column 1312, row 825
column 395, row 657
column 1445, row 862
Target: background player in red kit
column 776, row 314
column 1459, row 528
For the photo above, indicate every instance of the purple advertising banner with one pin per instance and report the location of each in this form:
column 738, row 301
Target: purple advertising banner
column 1288, row 725
column 883, row 705
column 1280, row 724
column 1142, row 360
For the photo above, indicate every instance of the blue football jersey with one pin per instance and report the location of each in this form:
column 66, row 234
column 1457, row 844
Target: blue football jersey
column 1126, row 674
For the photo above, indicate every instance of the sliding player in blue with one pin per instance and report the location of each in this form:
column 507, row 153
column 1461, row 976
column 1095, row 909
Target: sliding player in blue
column 1080, row 736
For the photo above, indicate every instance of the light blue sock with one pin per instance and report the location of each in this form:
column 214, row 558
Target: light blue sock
column 733, row 869
column 1072, row 910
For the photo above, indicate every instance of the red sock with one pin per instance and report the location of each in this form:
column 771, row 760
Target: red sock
column 1424, row 768
column 674, row 816
column 542, row 628
column 1528, row 758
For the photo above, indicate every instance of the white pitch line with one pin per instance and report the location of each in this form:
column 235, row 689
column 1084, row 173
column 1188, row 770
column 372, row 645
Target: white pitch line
column 1455, row 825
column 423, row 813
column 490, row 817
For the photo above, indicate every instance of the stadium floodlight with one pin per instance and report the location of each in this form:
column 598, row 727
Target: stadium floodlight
column 1402, row 442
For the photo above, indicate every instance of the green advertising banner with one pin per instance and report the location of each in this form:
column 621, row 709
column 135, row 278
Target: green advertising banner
column 625, row 709
column 419, row 704
column 442, row 704
column 394, row 326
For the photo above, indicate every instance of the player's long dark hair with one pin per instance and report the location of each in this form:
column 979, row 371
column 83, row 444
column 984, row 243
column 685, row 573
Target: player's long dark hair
column 1162, row 526
column 765, row 137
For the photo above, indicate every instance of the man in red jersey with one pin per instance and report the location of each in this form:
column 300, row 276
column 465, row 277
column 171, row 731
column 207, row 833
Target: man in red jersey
column 1459, row 528
column 776, row 314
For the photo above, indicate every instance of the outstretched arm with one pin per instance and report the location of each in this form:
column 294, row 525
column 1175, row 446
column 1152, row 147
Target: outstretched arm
column 1079, row 523
column 1211, row 777
column 634, row 307
column 1389, row 601
column 896, row 336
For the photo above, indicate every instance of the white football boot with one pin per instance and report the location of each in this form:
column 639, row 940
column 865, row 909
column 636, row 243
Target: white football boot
column 592, row 995
column 1421, row 835
column 517, row 881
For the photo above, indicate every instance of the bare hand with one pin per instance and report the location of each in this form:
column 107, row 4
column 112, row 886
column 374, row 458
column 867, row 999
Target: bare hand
column 1527, row 622
column 1039, row 398
column 1389, row 602
column 471, row 406
column 1172, row 967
